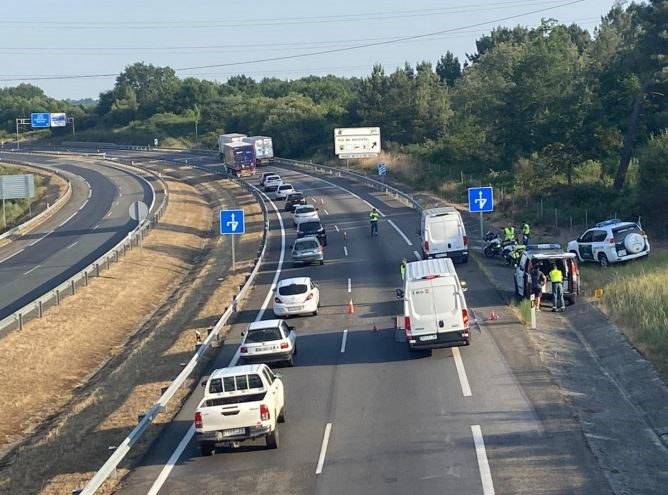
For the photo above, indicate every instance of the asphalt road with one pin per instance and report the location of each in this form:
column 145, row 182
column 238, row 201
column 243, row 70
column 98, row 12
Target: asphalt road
column 94, row 220
column 479, row 419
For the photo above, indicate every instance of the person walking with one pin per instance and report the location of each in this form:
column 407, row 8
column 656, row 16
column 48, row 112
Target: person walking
column 557, row 279
column 509, row 232
column 538, row 280
column 373, row 218
column 402, row 268
column 526, row 231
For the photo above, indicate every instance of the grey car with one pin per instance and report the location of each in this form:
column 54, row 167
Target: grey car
column 307, row 250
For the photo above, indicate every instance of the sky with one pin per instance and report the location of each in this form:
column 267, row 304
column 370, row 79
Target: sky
column 51, row 39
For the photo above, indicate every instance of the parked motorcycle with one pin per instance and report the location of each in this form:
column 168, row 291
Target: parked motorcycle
column 512, row 252
column 492, row 245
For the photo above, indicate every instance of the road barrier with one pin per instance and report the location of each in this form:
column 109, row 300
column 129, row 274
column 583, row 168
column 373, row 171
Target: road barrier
column 36, row 307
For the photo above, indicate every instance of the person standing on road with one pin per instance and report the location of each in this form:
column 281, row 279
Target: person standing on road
column 402, row 269
column 526, row 231
column 557, row 279
column 538, row 279
column 509, row 232
column 373, row 218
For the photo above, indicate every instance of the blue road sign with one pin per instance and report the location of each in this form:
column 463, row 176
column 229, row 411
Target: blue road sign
column 481, row 199
column 382, row 170
column 41, row 119
column 232, row 222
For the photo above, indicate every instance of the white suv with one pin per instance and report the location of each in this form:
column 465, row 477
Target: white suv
column 611, row 241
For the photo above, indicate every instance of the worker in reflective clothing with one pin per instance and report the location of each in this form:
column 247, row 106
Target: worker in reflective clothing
column 509, row 232
column 402, row 268
column 373, row 218
column 526, row 230
column 557, row 279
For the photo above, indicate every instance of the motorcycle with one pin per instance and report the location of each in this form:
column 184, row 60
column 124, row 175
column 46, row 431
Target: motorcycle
column 492, row 245
column 512, row 252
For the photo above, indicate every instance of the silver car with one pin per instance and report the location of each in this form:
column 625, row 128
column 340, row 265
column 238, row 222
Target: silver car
column 307, row 250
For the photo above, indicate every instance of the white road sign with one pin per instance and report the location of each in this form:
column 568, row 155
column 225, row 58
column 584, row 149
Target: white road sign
column 357, row 141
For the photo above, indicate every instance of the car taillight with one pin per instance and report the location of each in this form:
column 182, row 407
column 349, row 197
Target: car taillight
column 466, row 241
column 284, row 345
column 264, row 413
column 198, row 419
column 465, row 317
column 574, row 271
column 407, row 326
column 309, row 297
column 426, row 246
column 611, row 240
column 277, row 300
column 243, row 350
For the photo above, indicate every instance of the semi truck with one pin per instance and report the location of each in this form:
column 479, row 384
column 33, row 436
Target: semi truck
column 239, row 158
column 224, row 139
column 264, row 149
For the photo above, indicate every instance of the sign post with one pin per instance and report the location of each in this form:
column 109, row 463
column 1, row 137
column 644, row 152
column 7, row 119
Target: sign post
column 139, row 211
column 533, row 311
column 382, row 171
column 481, row 200
column 232, row 222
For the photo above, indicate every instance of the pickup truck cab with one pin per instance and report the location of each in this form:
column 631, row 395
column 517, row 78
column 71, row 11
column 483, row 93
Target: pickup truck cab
column 240, row 403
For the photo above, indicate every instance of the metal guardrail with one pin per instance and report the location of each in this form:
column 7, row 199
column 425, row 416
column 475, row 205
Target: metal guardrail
column 36, row 307
column 113, row 146
column 121, row 451
column 50, row 211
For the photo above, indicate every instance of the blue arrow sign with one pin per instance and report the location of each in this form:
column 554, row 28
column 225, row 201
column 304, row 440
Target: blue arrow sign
column 40, row 119
column 481, row 199
column 382, row 170
column 232, row 222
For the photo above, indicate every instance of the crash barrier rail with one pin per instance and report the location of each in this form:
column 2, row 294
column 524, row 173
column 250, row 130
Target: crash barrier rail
column 113, row 146
column 37, row 307
column 109, row 467
column 50, row 210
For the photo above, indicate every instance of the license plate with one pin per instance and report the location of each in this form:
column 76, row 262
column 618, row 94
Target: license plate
column 294, row 308
column 622, row 252
column 234, row 432
column 428, row 337
column 267, row 348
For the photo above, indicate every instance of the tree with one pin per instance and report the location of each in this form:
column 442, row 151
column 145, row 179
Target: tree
column 448, row 68
column 154, row 87
column 653, row 182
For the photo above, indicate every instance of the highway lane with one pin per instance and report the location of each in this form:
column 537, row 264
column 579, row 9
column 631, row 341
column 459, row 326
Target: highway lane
column 399, row 422
column 61, row 247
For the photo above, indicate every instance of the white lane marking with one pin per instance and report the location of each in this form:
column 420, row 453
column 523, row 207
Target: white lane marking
column 336, row 227
column 314, row 200
column 84, row 204
column 173, row 459
column 400, row 232
column 483, row 463
column 108, row 214
column 371, row 206
column 461, row 372
column 345, row 250
column 96, row 226
column 326, row 212
column 68, row 219
column 323, row 449
column 349, row 286
column 417, row 255
column 32, row 269
column 43, row 237
column 72, row 245
column 12, row 255
column 90, row 193
column 116, row 203
column 343, row 340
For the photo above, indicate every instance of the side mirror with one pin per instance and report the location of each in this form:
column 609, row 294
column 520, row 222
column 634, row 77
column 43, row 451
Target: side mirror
column 243, row 332
column 399, row 293
column 203, row 384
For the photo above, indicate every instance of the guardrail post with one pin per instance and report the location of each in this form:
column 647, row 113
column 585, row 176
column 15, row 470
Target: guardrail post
column 108, row 263
column 40, row 309
column 20, row 318
column 86, row 279
column 72, row 286
column 97, row 269
column 57, row 297
column 116, row 254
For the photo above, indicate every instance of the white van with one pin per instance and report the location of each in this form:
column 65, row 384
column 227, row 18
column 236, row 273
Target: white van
column 435, row 311
column 443, row 234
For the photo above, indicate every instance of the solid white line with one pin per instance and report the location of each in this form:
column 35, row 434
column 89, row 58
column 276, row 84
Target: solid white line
column 400, row 232
column 371, row 206
column 43, row 237
column 336, row 227
column 326, row 212
column 68, row 219
column 72, row 245
column 314, row 200
column 417, row 255
column 173, row 459
column 323, row 449
column 96, row 226
column 12, row 255
column 483, row 463
column 349, row 286
column 343, row 341
column 116, row 203
column 345, row 250
column 84, row 204
column 32, row 269
column 90, row 193
column 463, row 380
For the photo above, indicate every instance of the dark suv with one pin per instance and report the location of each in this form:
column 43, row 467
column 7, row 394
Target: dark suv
column 312, row 227
column 294, row 199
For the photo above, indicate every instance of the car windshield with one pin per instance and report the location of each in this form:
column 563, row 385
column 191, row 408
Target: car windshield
column 263, row 335
column 292, row 290
column 306, row 245
column 305, row 209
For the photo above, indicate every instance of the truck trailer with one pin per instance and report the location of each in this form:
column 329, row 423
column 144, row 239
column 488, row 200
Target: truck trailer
column 264, row 149
column 239, row 158
column 224, row 139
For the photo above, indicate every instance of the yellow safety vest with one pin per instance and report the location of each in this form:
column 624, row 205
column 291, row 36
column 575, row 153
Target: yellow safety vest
column 373, row 216
column 556, row 275
column 402, row 270
column 510, row 233
column 525, row 229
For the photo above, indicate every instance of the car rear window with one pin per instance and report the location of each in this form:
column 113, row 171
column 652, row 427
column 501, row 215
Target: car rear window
column 234, row 383
column 294, row 196
column 263, row 335
column 620, row 233
column 283, row 187
column 292, row 290
column 306, row 245
column 309, row 226
column 305, row 209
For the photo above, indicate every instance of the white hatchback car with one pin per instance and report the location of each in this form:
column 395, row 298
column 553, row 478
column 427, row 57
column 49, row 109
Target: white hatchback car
column 283, row 191
column 272, row 182
column 268, row 341
column 611, row 241
column 296, row 296
column 304, row 212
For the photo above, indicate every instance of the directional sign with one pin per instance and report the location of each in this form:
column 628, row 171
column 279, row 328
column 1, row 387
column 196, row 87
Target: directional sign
column 138, row 211
column 58, row 120
column 357, row 140
column 232, row 222
column 381, row 169
column 17, row 186
column 40, row 119
column 481, row 199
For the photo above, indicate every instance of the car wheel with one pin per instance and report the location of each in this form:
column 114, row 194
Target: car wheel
column 572, row 299
column 315, row 313
column 295, row 265
column 322, row 262
column 294, row 352
column 465, row 259
column 281, row 416
column 603, row 260
column 272, row 439
column 291, row 361
column 207, row 448
column 634, row 243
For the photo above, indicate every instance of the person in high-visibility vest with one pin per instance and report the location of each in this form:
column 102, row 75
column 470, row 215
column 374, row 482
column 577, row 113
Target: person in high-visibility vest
column 526, row 230
column 509, row 232
column 557, row 280
column 402, row 269
column 373, row 218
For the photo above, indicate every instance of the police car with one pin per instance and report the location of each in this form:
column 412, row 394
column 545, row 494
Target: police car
column 545, row 255
column 611, row 241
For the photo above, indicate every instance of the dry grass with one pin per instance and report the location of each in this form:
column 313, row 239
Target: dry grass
column 76, row 338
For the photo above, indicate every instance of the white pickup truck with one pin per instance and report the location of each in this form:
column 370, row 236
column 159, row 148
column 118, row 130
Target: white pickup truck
column 240, row 403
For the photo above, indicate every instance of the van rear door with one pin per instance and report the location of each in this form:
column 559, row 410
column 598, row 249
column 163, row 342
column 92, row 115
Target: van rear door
column 434, row 307
column 422, row 311
column 448, row 312
column 444, row 234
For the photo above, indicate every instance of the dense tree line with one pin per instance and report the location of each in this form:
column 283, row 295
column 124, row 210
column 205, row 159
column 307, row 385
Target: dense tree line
column 553, row 107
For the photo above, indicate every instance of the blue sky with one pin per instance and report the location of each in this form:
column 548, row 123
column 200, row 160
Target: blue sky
column 45, row 38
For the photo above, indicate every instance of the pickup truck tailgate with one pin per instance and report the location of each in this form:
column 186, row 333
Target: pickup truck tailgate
column 230, row 417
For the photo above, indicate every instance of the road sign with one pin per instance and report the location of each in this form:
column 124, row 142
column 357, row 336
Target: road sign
column 40, row 119
column 232, row 222
column 138, row 210
column 356, row 141
column 58, row 120
column 481, row 199
column 17, row 186
column 381, row 169
column 345, row 156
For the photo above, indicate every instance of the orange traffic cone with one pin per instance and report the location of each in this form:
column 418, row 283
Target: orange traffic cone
column 375, row 328
column 351, row 307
